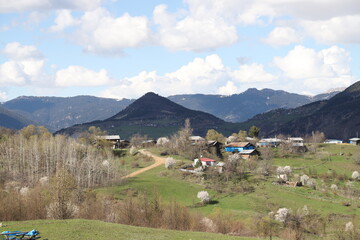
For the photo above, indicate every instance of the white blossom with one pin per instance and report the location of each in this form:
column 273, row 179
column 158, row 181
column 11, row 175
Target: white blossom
column 204, row 196
column 281, row 214
column 169, row 162
column 355, row 175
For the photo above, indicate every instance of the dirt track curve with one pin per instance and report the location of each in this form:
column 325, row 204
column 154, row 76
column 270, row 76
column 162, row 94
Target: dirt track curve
column 158, row 162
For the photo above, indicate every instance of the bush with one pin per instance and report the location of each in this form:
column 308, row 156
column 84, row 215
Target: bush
column 204, row 197
column 169, row 163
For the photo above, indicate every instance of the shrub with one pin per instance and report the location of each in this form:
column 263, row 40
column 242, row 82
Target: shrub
column 169, row 162
column 204, row 197
column 281, row 214
column 355, row 175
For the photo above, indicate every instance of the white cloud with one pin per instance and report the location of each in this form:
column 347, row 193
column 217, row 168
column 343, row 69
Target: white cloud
column 191, row 33
column 334, row 30
column 202, row 75
column 17, row 51
column 80, row 76
column 252, row 73
column 316, row 71
column 7, row 6
column 99, row 32
column 63, row 20
column 281, row 36
column 228, row 89
column 3, row 96
column 25, row 64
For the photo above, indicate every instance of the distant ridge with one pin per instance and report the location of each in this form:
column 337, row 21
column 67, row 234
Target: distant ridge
column 10, row 119
column 154, row 116
column 240, row 107
column 338, row 117
column 60, row 112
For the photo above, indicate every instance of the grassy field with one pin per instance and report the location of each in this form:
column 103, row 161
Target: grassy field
column 266, row 197
column 80, row 229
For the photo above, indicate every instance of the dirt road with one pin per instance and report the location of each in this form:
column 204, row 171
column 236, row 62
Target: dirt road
column 158, row 162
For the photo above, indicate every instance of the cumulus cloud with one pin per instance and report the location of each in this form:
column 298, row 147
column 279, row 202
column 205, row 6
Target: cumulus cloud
column 46, row 5
column 80, row 76
column 191, row 33
column 316, row 70
column 281, row 36
column 3, row 96
column 334, row 30
column 63, row 20
column 202, row 75
column 99, row 32
column 25, row 64
column 252, row 73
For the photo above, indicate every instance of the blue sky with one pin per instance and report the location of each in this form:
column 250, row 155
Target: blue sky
column 123, row 49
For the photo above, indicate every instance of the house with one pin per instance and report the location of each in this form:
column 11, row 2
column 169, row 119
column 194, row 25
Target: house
column 354, row 141
column 205, row 162
column 208, row 162
column 296, row 141
column 246, row 154
column 333, row 141
column 214, row 147
column 114, row 139
column 238, row 146
column 269, row 142
column 195, row 140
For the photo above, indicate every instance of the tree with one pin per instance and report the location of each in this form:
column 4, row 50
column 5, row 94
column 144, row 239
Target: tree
column 213, row 135
column 254, row 131
column 242, row 135
column 204, row 197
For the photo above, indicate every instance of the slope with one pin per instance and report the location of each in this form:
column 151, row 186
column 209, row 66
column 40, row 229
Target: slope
column 338, row 117
column 154, row 116
column 10, row 119
column 60, row 112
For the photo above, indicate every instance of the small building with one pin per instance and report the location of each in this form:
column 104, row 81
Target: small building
column 238, row 147
column 246, row 154
column 354, row 141
column 114, row 139
column 205, row 162
column 208, row 162
column 333, row 141
column 269, row 142
column 195, row 140
column 296, row 141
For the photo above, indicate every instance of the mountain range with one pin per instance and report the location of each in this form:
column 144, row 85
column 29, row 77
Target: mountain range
column 61, row 112
column 154, row 116
column 338, row 117
column 241, row 107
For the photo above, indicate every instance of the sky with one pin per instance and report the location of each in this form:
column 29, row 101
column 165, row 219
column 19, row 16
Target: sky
column 123, row 49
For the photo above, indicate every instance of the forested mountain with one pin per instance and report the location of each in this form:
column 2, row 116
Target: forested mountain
column 10, row 119
column 240, row 107
column 154, row 116
column 338, row 117
column 60, row 112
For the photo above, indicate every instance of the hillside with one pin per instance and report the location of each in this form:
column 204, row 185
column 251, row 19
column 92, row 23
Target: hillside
column 81, row 229
column 154, row 116
column 59, row 112
column 240, row 107
column 338, row 117
column 10, row 119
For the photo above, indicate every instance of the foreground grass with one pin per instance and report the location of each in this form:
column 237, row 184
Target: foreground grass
column 80, row 229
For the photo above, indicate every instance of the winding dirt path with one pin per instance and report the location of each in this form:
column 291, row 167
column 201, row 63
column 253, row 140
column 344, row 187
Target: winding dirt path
column 158, row 162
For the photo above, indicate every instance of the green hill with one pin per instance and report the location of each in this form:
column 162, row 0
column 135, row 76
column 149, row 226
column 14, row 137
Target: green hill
column 80, row 229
